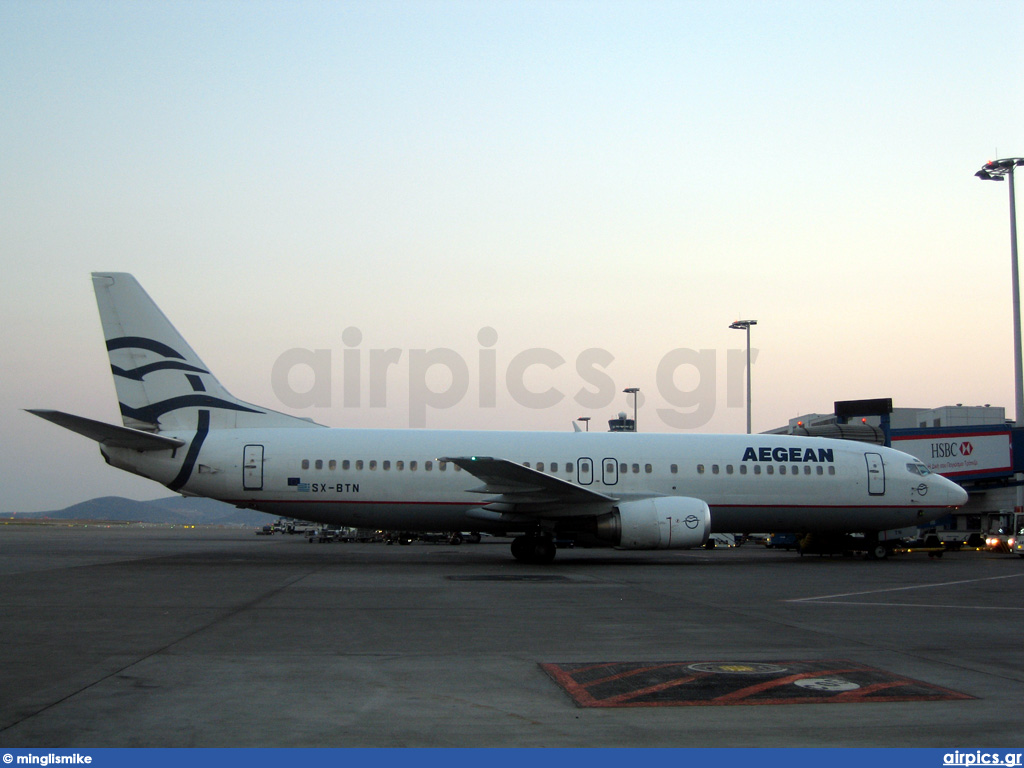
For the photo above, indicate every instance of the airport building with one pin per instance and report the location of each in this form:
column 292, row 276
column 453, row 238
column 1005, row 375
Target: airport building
column 973, row 445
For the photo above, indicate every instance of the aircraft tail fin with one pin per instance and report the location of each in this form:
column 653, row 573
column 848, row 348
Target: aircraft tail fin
column 161, row 383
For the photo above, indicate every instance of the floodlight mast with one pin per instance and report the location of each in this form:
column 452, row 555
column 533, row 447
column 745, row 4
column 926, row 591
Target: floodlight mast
column 741, row 325
column 998, row 170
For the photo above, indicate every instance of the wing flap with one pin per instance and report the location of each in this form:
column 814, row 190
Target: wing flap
column 520, row 490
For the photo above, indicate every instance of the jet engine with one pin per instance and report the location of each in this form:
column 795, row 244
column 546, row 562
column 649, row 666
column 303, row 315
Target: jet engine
column 665, row 522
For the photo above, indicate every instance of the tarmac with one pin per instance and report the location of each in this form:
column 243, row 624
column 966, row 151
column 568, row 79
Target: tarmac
column 136, row 636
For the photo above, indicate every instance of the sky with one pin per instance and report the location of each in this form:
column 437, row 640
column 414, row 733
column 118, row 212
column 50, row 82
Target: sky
column 533, row 205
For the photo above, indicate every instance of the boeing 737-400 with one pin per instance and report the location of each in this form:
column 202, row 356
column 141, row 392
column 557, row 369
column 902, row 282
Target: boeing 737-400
column 183, row 429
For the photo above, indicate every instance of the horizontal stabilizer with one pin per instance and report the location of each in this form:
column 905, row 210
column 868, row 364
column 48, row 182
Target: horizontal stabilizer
column 109, row 434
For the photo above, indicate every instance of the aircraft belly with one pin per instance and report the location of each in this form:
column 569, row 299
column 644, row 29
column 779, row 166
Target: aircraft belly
column 757, row 519
column 394, row 516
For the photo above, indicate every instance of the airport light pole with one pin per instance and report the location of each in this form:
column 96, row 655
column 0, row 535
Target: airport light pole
column 744, row 325
column 585, row 420
column 998, row 170
column 635, row 392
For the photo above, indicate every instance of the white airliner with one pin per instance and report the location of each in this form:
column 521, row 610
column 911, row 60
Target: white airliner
column 624, row 490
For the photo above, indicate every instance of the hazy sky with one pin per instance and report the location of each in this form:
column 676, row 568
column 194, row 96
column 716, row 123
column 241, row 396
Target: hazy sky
column 627, row 177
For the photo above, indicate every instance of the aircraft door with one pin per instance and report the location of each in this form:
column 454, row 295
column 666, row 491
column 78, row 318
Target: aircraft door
column 876, row 474
column 610, row 471
column 252, row 468
column 584, row 471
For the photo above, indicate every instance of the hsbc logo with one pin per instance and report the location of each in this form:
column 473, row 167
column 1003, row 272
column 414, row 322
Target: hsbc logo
column 966, row 454
column 949, row 450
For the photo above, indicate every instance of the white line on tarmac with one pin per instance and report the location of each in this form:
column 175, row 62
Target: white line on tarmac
column 818, row 601
column 824, row 598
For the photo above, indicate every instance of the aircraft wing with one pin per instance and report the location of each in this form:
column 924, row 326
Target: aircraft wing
column 519, row 490
column 109, row 434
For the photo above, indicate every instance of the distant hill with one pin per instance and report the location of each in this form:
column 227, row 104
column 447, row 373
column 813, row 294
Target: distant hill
column 178, row 510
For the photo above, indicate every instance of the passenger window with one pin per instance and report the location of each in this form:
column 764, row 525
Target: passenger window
column 636, row 469
column 743, row 469
column 359, row 463
column 458, row 468
column 427, row 466
column 728, row 469
column 648, row 468
column 674, row 469
column 412, row 466
column 333, row 464
column 714, row 469
column 386, row 465
column 770, row 470
column 305, row 463
column 442, row 466
column 820, row 469
column 807, row 469
column 345, row 464
column 399, row 465
column 757, row 469
column 795, row 469
column 373, row 463
column 831, row 470
column 700, row 469
column 782, row 469
column 540, row 466
column 623, row 468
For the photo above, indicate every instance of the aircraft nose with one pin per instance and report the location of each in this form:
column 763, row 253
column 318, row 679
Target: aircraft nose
column 957, row 494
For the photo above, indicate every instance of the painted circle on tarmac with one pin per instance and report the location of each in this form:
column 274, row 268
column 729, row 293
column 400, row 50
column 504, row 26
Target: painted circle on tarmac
column 738, row 668
column 831, row 684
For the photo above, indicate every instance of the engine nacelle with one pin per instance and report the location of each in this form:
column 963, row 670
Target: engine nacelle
column 665, row 522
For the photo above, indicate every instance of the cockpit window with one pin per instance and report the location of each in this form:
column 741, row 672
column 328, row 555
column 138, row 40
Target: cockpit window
column 918, row 469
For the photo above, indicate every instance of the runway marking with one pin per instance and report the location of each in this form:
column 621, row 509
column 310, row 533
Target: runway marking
column 833, row 598
column 683, row 684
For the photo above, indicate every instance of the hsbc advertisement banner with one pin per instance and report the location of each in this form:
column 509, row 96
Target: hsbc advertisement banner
column 961, row 454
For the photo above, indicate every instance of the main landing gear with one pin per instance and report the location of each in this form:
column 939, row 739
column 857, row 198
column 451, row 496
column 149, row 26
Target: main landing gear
column 877, row 551
column 535, row 549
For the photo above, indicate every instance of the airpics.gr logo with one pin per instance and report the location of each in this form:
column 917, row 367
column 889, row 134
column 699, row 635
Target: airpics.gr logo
column 686, row 381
